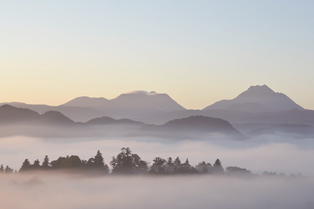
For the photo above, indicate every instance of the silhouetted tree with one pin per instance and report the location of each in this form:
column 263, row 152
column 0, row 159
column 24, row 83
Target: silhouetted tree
column 99, row 160
column 177, row 161
column 233, row 170
column 97, row 164
column 73, row 162
column 127, row 163
column 204, row 167
column 158, row 161
column 187, row 161
column 45, row 164
column 217, row 168
column 1, row 169
column 25, row 166
column 169, row 161
column 8, row 170
column 36, row 165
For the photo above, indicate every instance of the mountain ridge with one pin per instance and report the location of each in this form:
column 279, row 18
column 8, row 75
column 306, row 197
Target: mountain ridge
column 262, row 95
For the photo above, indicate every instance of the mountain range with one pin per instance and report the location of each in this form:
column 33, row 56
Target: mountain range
column 21, row 121
column 129, row 105
column 78, row 114
column 256, row 108
column 191, row 127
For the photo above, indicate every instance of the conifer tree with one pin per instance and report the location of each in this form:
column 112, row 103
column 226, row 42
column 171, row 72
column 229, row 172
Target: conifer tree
column 99, row 160
column 25, row 166
column 177, row 161
column 45, row 164
column 217, row 167
column 169, row 161
column 187, row 161
column 8, row 170
column 36, row 165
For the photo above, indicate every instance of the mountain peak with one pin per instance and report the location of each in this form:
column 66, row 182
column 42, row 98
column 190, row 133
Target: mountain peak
column 262, row 95
column 263, row 88
column 141, row 92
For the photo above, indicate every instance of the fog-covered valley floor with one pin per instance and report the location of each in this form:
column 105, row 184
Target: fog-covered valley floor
column 66, row 192
column 276, row 154
column 268, row 153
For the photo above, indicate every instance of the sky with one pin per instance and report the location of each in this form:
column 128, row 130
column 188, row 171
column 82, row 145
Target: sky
column 198, row 52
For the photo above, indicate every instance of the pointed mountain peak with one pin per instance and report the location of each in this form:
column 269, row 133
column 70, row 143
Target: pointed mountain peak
column 258, row 91
column 261, row 95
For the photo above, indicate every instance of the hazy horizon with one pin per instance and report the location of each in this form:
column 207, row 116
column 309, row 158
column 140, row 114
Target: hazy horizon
column 197, row 52
column 140, row 90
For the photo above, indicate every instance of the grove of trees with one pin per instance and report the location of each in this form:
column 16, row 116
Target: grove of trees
column 127, row 163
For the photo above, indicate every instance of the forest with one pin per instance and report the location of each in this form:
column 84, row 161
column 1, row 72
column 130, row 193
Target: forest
column 127, row 163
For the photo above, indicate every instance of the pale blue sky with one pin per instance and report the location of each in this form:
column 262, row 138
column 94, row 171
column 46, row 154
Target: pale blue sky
column 196, row 51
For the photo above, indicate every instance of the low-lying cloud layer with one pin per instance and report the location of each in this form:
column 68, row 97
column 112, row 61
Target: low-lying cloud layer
column 65, row 192
column 281, row 157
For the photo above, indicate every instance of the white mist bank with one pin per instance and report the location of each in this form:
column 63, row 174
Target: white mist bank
column 281, row 157
column 65, row 192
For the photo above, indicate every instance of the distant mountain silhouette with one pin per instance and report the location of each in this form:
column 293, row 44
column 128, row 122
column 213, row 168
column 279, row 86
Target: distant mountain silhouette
column 84, row 101
column 77, row 114
column 244, row 121
column 261, row 95
column 111, row 121
column 131, row 104
column 10, row 115
column 191, row 127
column 54, row 117
column 21, row 121
column 251, row 107
column 291, row 130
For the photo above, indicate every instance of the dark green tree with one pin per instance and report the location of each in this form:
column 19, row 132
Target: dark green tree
column 169, row 161
column 158, row 161
column 187, row 161
column 68, row 163
column 177, row 161
column 25, row 166
column 99, row 160
column 36, row 165
column 127, row 163
column 97, row 164
column 8, row 170
column 217, row 167
column 45, row 164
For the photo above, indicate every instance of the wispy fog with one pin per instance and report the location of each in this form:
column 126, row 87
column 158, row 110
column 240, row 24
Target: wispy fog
column 65, row 192
column 258, row 155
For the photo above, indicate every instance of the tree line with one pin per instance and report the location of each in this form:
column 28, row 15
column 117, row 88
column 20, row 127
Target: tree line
column 126, row 162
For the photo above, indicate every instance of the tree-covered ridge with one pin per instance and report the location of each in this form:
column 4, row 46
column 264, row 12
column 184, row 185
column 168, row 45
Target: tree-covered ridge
column 128, row 163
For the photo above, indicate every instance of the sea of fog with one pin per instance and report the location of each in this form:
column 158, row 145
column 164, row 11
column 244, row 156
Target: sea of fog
column 72, row 192
column 269, row 153
column 275, row 154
